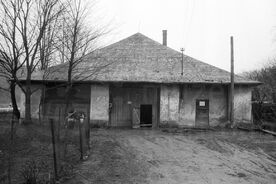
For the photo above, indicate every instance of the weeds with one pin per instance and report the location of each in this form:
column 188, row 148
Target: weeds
column 31, row 172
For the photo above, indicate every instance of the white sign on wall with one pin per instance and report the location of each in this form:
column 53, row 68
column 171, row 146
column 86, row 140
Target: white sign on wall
column 202, row 103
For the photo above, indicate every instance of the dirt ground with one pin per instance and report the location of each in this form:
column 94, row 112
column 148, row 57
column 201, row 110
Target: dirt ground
column 155, row 156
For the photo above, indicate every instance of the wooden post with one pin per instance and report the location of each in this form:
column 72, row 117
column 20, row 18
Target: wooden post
column 59, row 122
column 80, row 134
column 10, row 151
column 54, row 148
column 88, row 131
column 232, row 84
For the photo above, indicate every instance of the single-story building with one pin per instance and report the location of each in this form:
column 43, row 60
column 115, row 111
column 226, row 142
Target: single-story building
column 140, row 82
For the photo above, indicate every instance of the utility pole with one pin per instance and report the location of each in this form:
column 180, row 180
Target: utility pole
column 182, row 50
column 232, row 83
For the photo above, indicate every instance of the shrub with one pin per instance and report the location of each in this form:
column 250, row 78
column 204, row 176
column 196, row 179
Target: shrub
column 31, row 172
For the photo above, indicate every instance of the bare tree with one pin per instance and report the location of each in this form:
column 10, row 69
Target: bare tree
column 46, row 46
column 266, row 75
column 76, row 40
column 24, row 24
column 11, row 48
column 48, row 52
column 34, row 18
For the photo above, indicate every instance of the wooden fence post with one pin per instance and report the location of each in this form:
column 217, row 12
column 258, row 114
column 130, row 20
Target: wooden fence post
column 80, row 134
column 54, row 148
column 10, row 151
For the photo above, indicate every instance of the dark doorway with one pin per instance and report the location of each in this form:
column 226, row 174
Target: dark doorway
column 145, row 115
column 202, row 113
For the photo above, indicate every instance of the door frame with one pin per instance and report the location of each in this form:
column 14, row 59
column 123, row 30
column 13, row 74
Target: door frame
column 196, row 111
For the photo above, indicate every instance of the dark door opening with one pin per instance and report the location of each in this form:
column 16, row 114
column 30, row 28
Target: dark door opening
column 202, row 113
column 146, row 115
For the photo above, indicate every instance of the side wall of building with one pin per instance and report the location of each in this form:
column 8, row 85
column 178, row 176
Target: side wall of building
column 169, row 105
column 217, row 96
column 5, row 97
column 35, row 101
column 54, row 101
column 178, row 104
column 99, row 105
column 242, row 104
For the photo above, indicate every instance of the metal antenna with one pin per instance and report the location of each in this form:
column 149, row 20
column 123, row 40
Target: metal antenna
column 232, row 83
column 182, row 50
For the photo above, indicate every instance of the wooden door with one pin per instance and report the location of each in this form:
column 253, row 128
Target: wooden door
column 202, row 113
column 121, row 114
column 125, row 99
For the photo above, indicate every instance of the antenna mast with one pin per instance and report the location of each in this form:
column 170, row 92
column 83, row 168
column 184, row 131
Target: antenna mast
column 182, row 50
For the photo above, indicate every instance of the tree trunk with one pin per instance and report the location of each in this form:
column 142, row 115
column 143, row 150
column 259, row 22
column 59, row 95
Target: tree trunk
column 68, row 89
column 273, row 96
column 28, row 94
column 41, row 105
column 28, row 118
column 66, row 111
column 16, row 112
column 67, row 99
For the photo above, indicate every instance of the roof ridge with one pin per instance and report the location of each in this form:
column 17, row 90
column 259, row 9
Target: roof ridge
column 139, row 33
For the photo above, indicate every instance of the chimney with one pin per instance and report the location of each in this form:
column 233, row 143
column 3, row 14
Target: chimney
column 165, row 37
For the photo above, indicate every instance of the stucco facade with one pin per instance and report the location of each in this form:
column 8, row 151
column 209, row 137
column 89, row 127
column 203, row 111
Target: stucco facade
column 169, row 105
column 242, row 104
column 35, row 101
column 99, row 105
column 178, row 104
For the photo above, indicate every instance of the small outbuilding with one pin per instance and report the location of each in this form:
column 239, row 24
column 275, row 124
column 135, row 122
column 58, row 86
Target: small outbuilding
column 139, row 82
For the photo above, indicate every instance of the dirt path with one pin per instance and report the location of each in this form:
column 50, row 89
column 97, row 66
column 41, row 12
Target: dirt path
column 146, row 156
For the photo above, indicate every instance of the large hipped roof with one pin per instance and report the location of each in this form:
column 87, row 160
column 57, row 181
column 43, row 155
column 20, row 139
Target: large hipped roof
column 141, row 59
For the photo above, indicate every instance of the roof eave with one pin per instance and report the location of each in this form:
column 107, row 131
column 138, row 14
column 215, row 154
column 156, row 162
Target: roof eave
column 251, row 83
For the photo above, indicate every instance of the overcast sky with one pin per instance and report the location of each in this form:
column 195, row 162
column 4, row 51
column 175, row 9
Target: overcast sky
column 202, row 27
